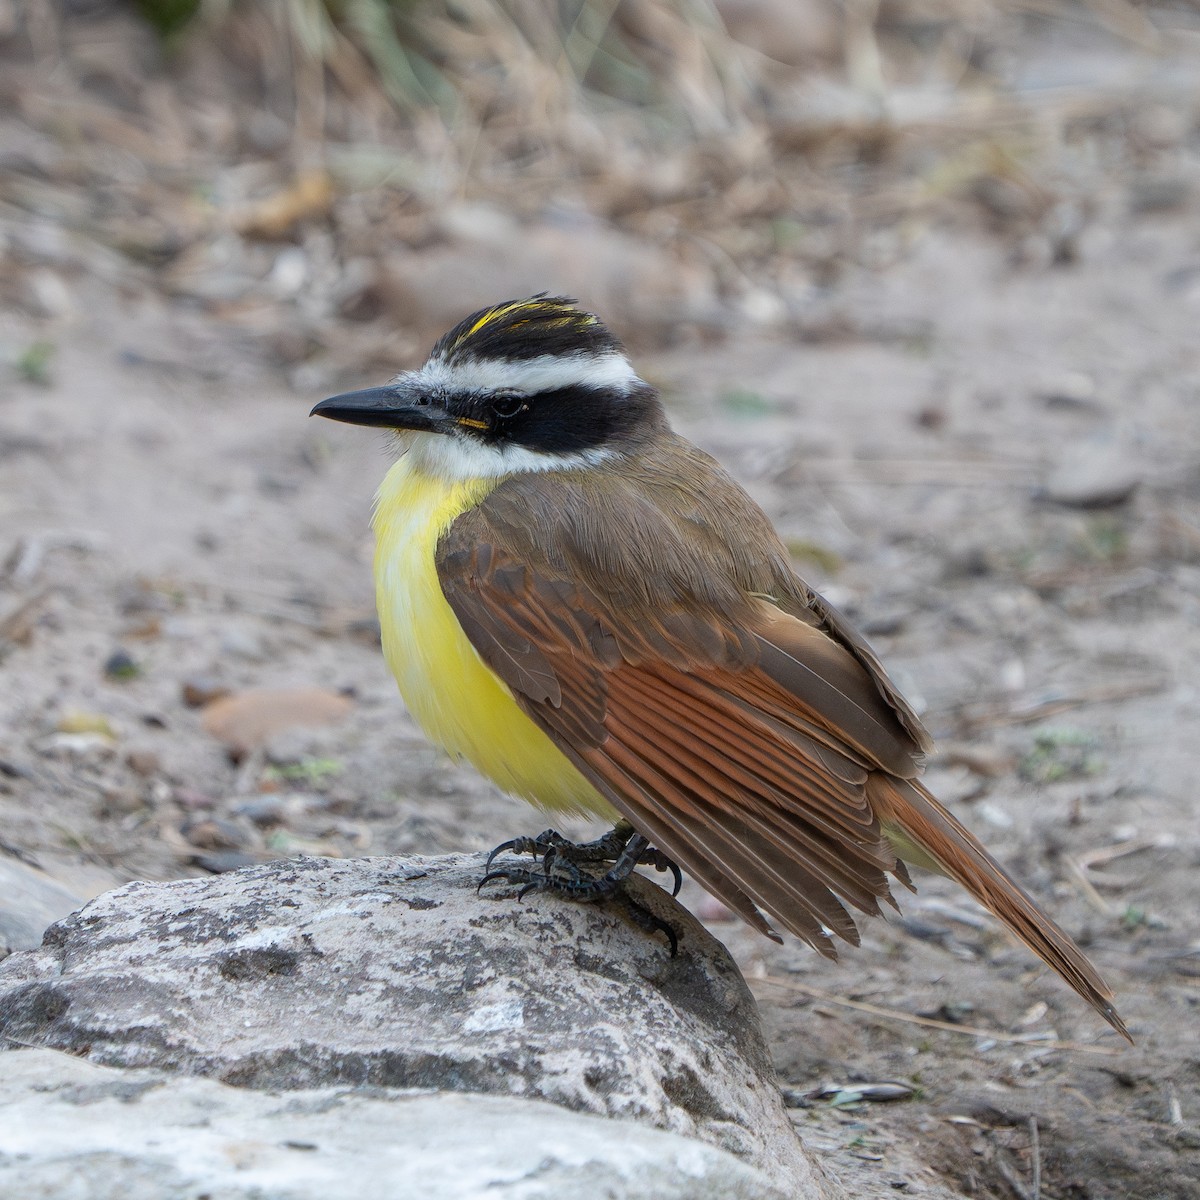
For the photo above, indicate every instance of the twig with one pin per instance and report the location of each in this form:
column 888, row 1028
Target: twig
column 1010, row 1177
column 22, row 565
column 1085, row 885
column 17, row 620
column 1040, row 710
column 866, row 472
column 1121, row 18
column 894, row 1014
column 1081, row 867
column 1106, row 854
column 1035, row 1155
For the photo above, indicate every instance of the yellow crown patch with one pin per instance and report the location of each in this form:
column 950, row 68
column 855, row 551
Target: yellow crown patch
column 526, row 328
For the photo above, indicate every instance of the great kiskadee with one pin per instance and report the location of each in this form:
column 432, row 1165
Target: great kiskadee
column 591, row 611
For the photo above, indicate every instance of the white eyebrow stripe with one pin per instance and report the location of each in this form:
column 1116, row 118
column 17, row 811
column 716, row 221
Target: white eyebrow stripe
column 456, row 458
column 546, row 373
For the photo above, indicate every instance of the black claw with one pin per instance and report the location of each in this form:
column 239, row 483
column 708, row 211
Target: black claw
column 559, row 871
column 493, row 875
column 651, row 922
column 543, row 844
column 500, row 849
column 678, row 882
column 672, row 937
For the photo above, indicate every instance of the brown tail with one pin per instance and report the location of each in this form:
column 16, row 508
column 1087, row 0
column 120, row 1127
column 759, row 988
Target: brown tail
column 916, row 816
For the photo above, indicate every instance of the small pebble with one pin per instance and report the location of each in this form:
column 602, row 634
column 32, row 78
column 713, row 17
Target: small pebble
column 213, row 833
column 225, row 860
column 193, row 800
column 80, row 721
column 143, row 762
column 884, row 624
column 199, row 690
column 1070, row 389
column 1164, row 193
column 1094, row 474
column 138, row 600
column 120, row 801
column 120, row 664
column 82, row 746
column 264, row 811
column 242, row 643
column 248, row 720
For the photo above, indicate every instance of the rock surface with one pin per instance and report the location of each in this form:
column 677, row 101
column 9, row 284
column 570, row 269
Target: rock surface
column 147, row 1135
column 396, row 974
column 29, row 901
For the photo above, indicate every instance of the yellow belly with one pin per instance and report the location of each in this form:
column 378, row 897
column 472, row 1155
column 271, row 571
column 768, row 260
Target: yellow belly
column 457, row 700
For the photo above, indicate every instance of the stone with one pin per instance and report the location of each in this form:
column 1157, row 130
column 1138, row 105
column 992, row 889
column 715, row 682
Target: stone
column 397, row 973
column 149, row 1135
column 246, row 721
column 1096, row 473
column 120, row 664
column 143, row 762
column 198, row 690
column 247, row 644
column 1069, row 390
column 29, row 901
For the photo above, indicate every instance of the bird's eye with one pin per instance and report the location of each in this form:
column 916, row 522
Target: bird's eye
column 509, row 406
column 422, row 401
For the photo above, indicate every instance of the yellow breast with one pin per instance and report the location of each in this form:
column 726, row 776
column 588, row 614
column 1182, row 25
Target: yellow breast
column 457, row 700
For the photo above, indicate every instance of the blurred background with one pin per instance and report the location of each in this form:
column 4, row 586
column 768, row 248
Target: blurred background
column 925, row 274
column 339, row 179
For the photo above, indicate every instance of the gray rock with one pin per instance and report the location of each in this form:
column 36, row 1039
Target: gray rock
column 29, row 901
column 1096, row 473
column 1069, row 390
column 147, row 1135
column 396, row 973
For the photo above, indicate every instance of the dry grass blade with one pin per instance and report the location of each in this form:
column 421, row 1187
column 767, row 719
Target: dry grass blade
column 1079, row 874
column 16, row 624
column 892, row 1014
column 1010, row 1177
column 1038, row 711
column 1103, row 855
column 1035, row 1156
column 1174, row 1108
column 920, row 472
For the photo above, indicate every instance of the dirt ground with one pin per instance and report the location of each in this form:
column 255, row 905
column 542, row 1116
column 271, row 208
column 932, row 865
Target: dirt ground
column 986, row 451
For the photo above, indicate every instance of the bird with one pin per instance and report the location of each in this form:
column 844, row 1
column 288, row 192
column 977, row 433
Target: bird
column 590, row 610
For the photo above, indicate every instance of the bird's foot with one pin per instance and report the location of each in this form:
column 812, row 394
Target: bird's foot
column 614, row 847
column 559, row 871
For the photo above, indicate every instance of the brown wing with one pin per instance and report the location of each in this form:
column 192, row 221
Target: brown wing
column 742, row 752
column 730, row 715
